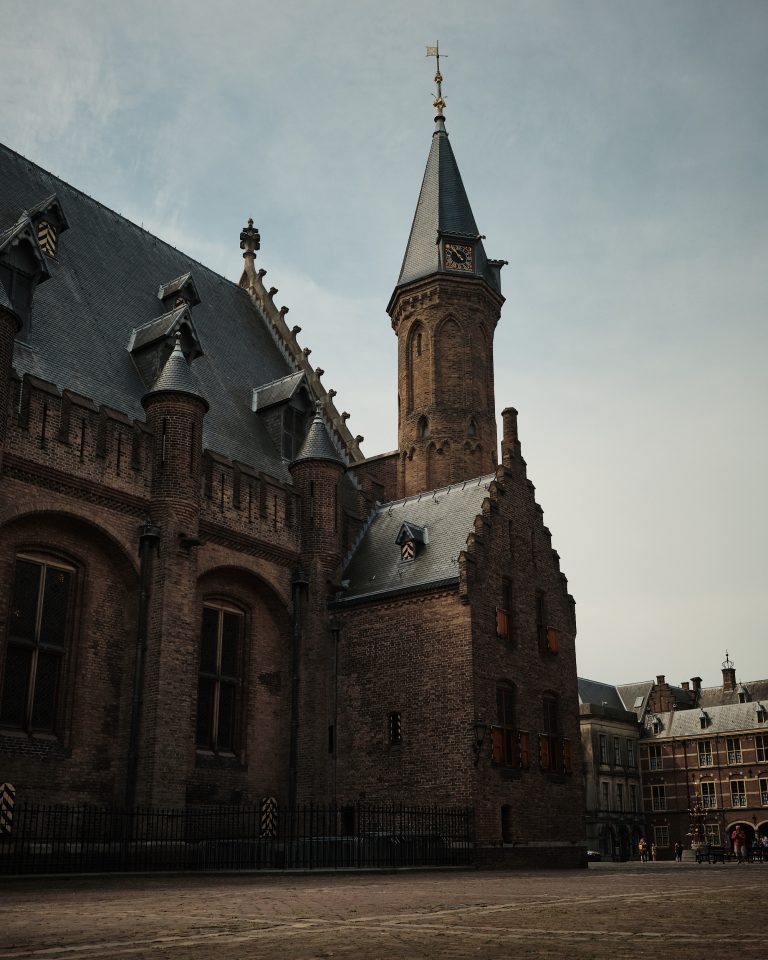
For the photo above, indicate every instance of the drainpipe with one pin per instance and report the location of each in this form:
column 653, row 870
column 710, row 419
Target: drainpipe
column 149, row 535
column 335, row 632
column 298, row 584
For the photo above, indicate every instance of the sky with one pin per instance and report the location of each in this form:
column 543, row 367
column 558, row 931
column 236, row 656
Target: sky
column 615, row 153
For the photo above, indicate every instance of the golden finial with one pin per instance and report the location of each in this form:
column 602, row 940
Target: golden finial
column 439, row 102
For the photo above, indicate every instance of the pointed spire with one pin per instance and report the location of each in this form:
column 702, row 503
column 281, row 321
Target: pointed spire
column 177, row 376
column 317, row 444
column 443, row 208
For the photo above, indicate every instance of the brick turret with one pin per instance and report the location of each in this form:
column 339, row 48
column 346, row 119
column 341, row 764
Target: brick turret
column 175, row 410
column 317, row 472
column 444, row 311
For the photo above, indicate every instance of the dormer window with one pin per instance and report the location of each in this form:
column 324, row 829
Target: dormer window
column 703, row 719
column 22, row 267
column 411, row 540
column 656, row 724
column 743, row 694
column 762, row 714
column 47, row 237
column 181, row 292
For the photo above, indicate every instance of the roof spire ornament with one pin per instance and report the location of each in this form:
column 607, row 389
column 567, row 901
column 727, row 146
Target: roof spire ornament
column 439, row 102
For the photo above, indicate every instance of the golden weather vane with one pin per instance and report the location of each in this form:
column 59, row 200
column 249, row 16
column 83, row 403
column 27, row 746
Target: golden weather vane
column 439, row 101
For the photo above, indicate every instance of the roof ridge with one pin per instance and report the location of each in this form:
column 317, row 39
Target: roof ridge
column 448, row 488
column 122, row 216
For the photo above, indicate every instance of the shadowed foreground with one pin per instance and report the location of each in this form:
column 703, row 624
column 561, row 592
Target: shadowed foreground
column 616, row 911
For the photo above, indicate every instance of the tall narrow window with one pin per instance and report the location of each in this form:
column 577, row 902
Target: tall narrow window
column 708, row 794
column 733, row 746
column 38, row 637
column 617, row 751
column 550, row 744
column 704, row 748
column 659, row 797
column 505, row 747
column 761, row 748
column 655, row 760
column 219, row 680
column 603, row 748
column 504, row 610
column 631, row 753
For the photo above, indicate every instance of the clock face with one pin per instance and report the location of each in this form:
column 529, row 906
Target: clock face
column 458, row 256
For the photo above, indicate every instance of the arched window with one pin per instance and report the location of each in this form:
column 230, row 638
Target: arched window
column 219, row 682
column 39, row 632
column 472, row 428
column 423, row 427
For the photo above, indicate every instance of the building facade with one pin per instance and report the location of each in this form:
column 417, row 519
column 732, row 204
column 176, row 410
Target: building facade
column 209, row 595
column 610, row 739
column 691, row 745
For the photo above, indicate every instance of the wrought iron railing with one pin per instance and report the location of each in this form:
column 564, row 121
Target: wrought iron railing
column 75, row 839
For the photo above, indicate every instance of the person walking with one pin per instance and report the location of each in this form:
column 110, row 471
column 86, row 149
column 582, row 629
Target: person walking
column 653, row 851
column 738, row 839
column 643, row 848
column 678, row 851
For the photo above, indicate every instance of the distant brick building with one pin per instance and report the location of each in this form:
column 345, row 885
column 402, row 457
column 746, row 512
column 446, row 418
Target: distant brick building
column 208, row 594
column 694, row 743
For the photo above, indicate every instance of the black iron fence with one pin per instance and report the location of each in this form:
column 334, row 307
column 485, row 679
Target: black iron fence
column 78, row 839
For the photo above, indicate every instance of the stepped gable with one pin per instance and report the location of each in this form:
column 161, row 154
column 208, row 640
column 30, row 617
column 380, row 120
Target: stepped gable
column 448, row 514
column 104, row 283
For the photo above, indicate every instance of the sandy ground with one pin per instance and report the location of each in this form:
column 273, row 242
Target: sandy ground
column 684, row 911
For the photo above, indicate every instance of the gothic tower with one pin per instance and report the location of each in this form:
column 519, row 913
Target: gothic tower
column 444, row 311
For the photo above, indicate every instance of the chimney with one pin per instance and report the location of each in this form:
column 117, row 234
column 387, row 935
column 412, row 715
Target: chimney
column 510, row 445
column 729, row 674
column 685, row 685
column 660, row 680
column 696, row 684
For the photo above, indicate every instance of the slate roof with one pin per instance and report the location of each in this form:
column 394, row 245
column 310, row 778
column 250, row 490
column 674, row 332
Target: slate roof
column 722, row 719
column 443, row 207
column 448, row 514
column 104, row 283
column 317, row 444
column 756, row 689
column 279, row 391
column 631, row 693
column 177, row 376
column 603, row 694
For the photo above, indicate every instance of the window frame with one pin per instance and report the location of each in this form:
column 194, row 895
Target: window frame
column 63, row 652
column 705, row 757
column 222, row 606
column 738, row 797
column 655, row 756
column 761, row 746
column 734, row 754
column 708, row 795
column 658, row 797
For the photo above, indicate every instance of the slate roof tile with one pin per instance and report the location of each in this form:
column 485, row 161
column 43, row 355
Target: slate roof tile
column 376, row 569
column 104, row 283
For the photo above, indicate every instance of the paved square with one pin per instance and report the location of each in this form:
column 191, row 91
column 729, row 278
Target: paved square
column 609, row 911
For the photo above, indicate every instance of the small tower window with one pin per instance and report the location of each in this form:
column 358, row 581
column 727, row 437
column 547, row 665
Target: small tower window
column 472, row 428
column 47, row 237
column 423, row 427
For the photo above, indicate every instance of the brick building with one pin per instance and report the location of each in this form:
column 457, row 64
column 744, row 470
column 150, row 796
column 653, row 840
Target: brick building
column 209, row 595
column 690, row 743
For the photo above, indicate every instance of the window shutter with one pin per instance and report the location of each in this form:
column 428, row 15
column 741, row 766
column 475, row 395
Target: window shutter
column 567, row 756
column 553, row 640
column 525, row 750
column 497, row 745
column 502, row 623
column 545, row 760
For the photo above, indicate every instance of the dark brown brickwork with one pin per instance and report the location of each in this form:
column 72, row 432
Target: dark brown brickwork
column 446, row 419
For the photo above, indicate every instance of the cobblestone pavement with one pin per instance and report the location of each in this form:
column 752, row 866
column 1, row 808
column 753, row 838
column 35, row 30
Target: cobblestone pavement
column 684, row 911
